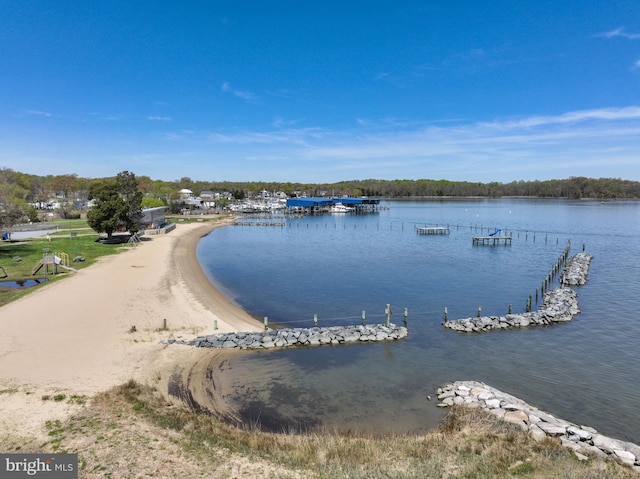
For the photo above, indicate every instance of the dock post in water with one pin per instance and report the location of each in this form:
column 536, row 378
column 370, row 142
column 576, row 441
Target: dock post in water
column 387, row 311
column 364, row 317
column 315, row 320
column 266, row 323
column 406, row 316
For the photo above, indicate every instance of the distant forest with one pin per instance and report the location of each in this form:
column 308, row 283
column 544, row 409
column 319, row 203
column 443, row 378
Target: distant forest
column 32, row 188
column 574, row 188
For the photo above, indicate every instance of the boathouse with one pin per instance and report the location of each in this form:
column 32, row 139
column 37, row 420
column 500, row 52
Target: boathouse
column 311, row 205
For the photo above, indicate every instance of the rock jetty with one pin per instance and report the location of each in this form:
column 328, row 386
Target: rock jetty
column 583, row 440
column 576, row 269
column 286, row 338
column 559, row 305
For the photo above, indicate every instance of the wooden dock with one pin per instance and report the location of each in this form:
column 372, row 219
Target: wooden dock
column 259, row 223
column 434, row 230
column 492, row 240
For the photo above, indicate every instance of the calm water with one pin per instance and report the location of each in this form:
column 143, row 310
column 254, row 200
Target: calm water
column 335, row 266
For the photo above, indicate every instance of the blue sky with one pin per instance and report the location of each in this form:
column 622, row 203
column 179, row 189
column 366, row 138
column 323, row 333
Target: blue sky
column 321, row 91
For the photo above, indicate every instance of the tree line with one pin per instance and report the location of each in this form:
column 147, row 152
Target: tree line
column 23, row 196
column 571, row 188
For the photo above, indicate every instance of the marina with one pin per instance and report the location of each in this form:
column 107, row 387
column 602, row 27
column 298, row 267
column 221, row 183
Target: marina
column 318, row 205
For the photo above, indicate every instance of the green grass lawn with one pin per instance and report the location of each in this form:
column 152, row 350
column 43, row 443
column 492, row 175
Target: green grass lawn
column 75, row 238
column 18, row 259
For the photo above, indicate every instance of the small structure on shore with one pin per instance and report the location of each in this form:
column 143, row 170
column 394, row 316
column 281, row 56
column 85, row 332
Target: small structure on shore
column 51, row 263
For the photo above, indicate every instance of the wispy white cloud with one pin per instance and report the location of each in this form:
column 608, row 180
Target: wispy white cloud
column 620, row 32
column 38, row 113
column 159, row 118
column 242, row 94
column 603, row 114
column 598, row 142
column 279, row 122
column 595, row 143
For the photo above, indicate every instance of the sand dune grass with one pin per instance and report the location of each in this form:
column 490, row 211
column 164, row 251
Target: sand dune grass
column 133, row 431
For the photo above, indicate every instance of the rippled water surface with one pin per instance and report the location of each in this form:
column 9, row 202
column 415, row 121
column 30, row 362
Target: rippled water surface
column 336, row 266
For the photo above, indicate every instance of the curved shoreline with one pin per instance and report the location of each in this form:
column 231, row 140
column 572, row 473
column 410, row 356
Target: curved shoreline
column 105, row 325
column 232, row 317
column 84, row 344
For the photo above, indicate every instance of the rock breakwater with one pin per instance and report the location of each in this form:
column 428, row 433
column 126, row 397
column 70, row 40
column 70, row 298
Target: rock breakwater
column 559, row 305
column 583, row 440
column 576, row 270
column 286, row 338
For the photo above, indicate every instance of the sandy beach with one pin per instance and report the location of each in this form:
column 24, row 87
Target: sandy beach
column 74, row 337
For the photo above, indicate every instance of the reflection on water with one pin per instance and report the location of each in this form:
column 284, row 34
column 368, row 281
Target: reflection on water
column 22, row 283
column 584, row 371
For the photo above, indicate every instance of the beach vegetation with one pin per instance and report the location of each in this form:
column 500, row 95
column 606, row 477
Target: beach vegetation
column 108, row 209
column 117, row 204
column 133, row 427
column 151, row 202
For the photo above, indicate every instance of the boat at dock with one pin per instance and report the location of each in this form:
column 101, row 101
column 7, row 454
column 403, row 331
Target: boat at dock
column 340, row 208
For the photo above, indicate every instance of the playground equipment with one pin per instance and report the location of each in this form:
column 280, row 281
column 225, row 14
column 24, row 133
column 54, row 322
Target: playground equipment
column 495, row 232
column 51, row 262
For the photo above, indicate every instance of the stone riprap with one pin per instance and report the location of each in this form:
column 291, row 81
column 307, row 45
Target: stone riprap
column 559, row 305
column 576, row 269
column 583, row 440
column 285, row 338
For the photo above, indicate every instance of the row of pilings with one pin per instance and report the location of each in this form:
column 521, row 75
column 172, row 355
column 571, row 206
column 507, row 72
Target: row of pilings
column 473, row 228
column 555, row 270
column 559, row 304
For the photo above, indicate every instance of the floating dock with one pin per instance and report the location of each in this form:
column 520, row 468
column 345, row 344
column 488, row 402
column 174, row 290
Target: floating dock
column 434, row 230
column 492, row 240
